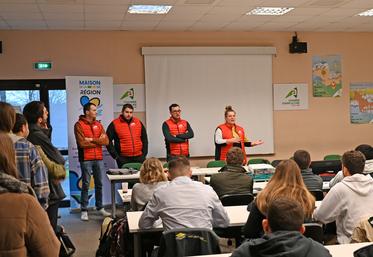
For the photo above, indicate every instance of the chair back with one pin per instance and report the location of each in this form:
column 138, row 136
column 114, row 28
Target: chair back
column 274, row 163
column 236, row 199
column 314, row 231
column 258, row 161
column 188, row 242
column 331, row 157
column 165, row 165
column 133, row 165
column 215, row 164
column 318, row 194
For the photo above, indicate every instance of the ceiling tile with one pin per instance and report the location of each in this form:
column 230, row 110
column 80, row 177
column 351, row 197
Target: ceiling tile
column 242, row 3
column 219, row 18
column 308, row 11
column 22, row 15
column 109, row 2
column 106, row 8
column 63, row 16
column 61, row 7
column 18, row 8
column 143, row 17
column 104, row 16
column 27, row 24
column 359, row 4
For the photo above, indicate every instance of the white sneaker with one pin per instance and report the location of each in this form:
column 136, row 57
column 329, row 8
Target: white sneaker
column 104, row 213
column 84, row 216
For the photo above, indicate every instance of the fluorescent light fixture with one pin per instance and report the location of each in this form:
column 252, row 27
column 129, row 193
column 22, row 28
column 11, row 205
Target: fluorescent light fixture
column 149, row 9
column 270, row 11
column 366, row 13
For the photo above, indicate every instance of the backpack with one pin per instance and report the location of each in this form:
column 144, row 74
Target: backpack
column 115, row 239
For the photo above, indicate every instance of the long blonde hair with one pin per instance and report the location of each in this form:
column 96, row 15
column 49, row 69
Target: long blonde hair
column 7, row 156
column 152, row 171
column 286, row 182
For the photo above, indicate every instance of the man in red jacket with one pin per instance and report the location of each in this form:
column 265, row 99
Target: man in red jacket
column 90, row 137
column 177, row 133
column 129, row 136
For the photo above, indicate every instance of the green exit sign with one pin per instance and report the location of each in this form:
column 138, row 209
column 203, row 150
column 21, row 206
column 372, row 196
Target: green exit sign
column 42, row 65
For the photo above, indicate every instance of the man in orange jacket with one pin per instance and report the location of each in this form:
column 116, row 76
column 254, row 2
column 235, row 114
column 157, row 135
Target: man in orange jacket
column 129, row 136
column 177, row 133
column 90, row 137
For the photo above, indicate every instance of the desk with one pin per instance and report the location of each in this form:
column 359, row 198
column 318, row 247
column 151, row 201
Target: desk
column 346, row 250
column 117, row 179
column 237, row 217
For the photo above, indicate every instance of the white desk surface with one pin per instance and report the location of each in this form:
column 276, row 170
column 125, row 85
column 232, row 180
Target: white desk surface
column 237, row 216
column 345, row 250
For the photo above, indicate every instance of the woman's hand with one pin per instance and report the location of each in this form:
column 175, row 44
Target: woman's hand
column 257, row 142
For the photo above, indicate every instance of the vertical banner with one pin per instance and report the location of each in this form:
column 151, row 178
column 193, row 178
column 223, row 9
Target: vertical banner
column 327, row 76
column 129, row 94
column 81, row 90
column 361, row 103
column 290, row 96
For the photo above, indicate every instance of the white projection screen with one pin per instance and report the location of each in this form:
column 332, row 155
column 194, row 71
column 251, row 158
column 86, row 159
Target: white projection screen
column 203, row 80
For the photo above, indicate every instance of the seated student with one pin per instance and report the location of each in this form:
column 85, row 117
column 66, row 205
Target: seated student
column 283, row 229
column 312, row 181
column 367, row 150
column 184, row 203
column 233, row 178
column 286, row 182
column 152, row 176
column 25, row 228
column 349, row 201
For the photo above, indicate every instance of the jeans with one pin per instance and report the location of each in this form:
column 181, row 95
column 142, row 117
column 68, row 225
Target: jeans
column 97, row 167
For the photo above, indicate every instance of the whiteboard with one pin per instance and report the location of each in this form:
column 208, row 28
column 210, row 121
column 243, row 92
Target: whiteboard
column 203, row 84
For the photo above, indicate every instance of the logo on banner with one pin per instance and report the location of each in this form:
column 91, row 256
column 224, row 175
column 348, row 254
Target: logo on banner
column 292, row 98
column 293, row 92
column 129, row 93
column 90, row 90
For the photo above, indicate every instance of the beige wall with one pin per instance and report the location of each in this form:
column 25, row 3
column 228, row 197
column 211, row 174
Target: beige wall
column 324, row 128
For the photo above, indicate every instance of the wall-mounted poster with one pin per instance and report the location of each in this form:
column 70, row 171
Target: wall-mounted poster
column 290, row 96
column 129, row 94
column 327, row 76
column 361, row 103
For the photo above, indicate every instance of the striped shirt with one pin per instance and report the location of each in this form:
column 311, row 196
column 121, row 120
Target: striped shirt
column 31, row 169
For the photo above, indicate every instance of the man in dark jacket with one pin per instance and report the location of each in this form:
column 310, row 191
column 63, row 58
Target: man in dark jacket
column 232, row 178
column 312, row 181
column 283, row 234
column 40, row 134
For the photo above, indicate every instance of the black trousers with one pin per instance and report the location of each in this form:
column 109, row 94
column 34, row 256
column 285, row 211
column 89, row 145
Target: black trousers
column 52, row 212
column 123, row 160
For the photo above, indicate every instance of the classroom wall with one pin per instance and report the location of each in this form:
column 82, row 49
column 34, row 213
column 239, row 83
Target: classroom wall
column 322, row 129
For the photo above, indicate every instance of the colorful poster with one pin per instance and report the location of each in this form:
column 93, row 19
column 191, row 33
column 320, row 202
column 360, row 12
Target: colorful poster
column 290, row 96
column 361, row 103
column 81, row 90
column 129, row 94
column 327, row 76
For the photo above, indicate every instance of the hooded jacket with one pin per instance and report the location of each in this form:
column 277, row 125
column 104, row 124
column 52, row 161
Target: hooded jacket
column 347, row 203
column 281, row 243
column 25, row 228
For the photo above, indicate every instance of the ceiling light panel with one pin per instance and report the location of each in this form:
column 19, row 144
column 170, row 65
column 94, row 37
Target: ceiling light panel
column 366, row 13
column 269, row 11
column 149, row 9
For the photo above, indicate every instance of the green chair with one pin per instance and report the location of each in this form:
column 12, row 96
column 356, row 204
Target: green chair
column 165, row 165
column 258, row 161
column 215, row 164
column 133, row 165
column 331, row 157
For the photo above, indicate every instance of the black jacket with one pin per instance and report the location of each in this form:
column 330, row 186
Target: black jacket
column 39, row 136
column 282, row 243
